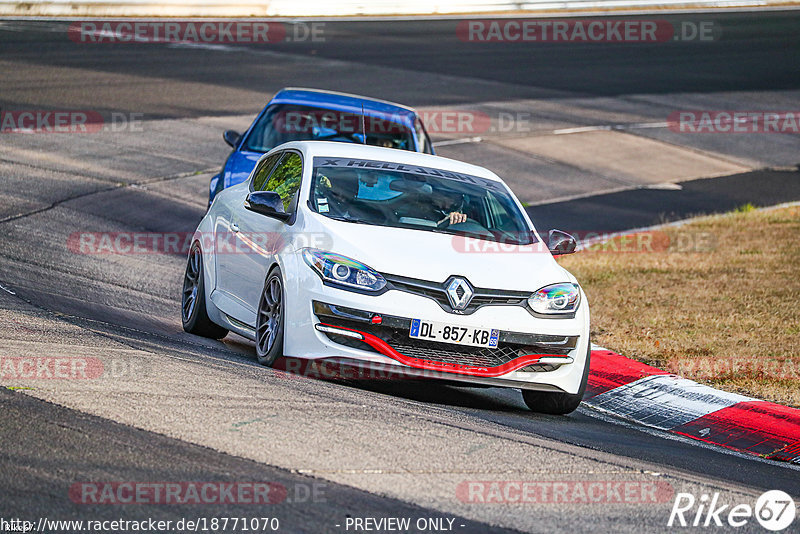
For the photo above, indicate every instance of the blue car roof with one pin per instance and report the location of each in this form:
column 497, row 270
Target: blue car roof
column 343, row 102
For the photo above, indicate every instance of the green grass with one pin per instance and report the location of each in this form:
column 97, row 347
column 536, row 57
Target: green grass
column 727, row 314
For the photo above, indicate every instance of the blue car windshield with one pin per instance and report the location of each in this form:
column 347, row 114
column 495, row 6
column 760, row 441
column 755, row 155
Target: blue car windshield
column 282, row 123
column 421, row 198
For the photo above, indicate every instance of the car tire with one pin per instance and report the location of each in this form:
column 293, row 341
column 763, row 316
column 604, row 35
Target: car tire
column 270, row 319
column 558, row 403
column 193, row 303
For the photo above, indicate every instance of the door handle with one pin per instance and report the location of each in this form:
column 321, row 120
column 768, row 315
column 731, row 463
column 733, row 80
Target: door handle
column 234, row 227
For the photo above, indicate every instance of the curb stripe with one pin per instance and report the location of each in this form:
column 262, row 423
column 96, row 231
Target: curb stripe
column 655, row 398
column 758, row 427
column 789, row 454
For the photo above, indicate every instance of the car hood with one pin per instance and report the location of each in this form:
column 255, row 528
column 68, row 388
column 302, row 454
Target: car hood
column 435, row 256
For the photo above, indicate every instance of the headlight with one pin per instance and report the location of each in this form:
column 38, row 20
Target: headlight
column 343, row 271
column 557, row 299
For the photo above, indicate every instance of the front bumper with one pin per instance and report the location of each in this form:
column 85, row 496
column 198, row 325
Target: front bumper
column 388, row 335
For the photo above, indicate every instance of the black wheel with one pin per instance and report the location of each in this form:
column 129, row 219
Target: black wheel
column 269, row 322
column 558, row 403
column 193, row 304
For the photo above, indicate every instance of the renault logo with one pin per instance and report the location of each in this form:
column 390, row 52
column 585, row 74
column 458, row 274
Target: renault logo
column 459, row 292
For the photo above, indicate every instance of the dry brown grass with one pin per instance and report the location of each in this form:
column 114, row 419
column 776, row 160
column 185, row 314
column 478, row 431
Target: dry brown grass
column 727, row 315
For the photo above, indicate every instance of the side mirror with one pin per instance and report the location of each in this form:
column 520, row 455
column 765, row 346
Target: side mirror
column 560, row 243
column 232, row 137
column 267, row 203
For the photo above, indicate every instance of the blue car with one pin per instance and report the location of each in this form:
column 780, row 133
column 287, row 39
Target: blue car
column 296, row 114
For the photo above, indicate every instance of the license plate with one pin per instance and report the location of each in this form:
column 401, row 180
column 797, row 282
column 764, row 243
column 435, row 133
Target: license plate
column 458, row 335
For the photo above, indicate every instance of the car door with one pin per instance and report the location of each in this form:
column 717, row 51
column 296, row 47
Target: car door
column 228, row 244
column 261, row 238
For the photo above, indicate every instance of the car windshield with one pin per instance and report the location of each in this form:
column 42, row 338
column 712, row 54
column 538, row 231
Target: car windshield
column 282, row 123
column 420, row 198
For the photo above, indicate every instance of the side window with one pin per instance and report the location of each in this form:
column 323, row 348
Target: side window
column 263, row 171
column 285, row 180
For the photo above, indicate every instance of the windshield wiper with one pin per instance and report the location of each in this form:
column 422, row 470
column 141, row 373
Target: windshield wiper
column 345, row 219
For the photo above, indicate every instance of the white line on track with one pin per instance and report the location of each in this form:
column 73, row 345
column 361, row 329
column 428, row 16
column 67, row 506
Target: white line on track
column 606, row 127
column 449, row 142
column 4, row 288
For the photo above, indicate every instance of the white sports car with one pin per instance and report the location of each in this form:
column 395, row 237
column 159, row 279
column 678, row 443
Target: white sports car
column 395, row 261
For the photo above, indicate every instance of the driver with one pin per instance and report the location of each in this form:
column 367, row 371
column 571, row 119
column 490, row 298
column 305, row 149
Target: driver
column 447, row 205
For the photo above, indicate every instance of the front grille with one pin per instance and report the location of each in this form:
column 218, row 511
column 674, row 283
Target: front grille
column 538, row 368
column 437, row 292
column 481, row 357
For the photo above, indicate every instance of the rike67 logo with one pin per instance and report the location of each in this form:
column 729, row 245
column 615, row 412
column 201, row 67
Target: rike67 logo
column 774, row 510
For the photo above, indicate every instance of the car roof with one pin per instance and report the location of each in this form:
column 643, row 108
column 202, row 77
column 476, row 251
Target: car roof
column 342, row 102
column 354, row 150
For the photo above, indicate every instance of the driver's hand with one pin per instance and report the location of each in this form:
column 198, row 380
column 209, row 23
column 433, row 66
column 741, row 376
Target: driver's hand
column 457, row 217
